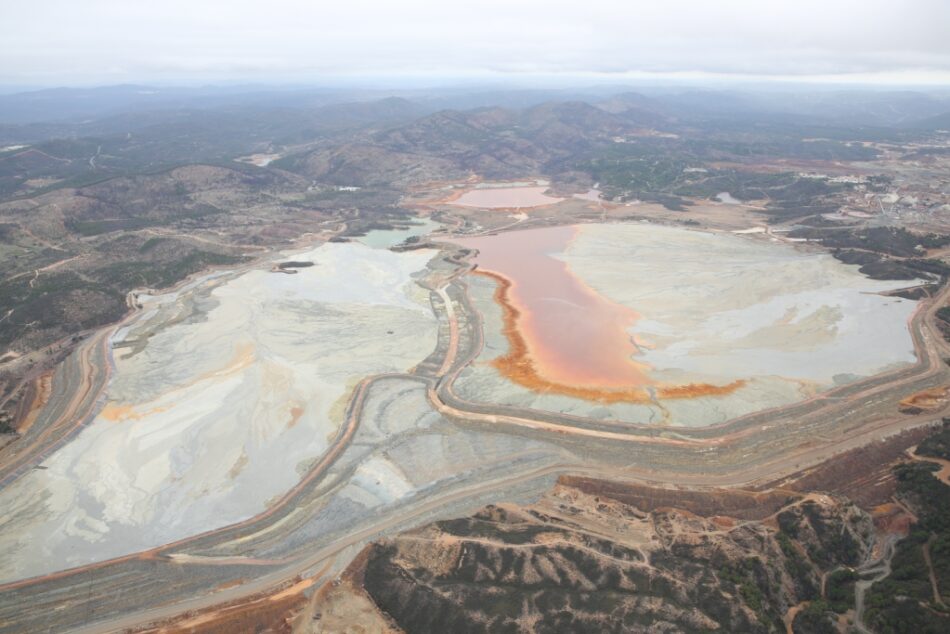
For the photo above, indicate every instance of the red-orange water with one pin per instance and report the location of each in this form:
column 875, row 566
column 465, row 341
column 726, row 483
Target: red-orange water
column 563, row 336
column 573, row 334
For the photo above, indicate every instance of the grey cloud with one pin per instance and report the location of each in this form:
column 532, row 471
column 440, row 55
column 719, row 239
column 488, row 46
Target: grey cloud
column 107, row 40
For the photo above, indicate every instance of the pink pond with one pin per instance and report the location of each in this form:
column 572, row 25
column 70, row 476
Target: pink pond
column 505, row 198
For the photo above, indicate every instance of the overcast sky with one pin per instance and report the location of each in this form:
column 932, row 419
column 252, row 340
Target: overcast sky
column 48, row 42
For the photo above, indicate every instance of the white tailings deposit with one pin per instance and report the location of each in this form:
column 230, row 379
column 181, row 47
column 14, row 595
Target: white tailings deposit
column 224, row 394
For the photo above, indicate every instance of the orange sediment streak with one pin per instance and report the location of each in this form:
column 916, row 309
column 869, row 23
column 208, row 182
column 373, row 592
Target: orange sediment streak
column 694, row 390
column 518, row 366
column 42, row 389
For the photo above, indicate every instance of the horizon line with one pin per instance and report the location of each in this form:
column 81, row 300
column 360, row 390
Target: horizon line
column 358, row 79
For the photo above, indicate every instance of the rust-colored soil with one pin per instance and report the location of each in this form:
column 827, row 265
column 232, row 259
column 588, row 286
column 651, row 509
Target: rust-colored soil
column 736, row 503
column 273, row 613
column 864, row 474
column 892, row 518
column 36, row 396
column 925, row 401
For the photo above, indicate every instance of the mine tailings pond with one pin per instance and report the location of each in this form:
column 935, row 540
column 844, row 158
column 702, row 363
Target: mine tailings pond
column 224, row 393
column 639, row 312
